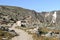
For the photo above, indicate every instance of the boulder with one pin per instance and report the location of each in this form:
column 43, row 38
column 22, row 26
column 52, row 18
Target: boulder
column 6, row 29
column 50, row 34
column 13, row 32
column 2, row 28
column 18, row 23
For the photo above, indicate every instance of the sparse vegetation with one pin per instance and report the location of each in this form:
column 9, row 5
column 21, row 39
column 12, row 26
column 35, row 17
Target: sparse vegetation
column 11, row 14
column 4, row 34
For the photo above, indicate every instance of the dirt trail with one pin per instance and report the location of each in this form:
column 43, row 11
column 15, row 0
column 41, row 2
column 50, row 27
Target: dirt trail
column 22, row 34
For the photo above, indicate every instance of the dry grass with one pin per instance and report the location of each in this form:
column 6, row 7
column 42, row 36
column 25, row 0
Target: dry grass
column 44, row 29
column 43, row 38
column 5, row 35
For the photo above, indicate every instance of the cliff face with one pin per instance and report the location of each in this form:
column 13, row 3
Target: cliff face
column 49, row 17
column 12, row 13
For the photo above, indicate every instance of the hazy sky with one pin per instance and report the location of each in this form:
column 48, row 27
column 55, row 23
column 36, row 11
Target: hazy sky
column 37, row 5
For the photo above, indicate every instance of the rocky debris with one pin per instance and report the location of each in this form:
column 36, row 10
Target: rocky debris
column 21, row 23
column 18, row 23
column 57, row 34
column 52, row 34
column 5, row 29
column 4, row 38
column 1, row 27
column 49, row 34
column 13, row 32
column 35, row 30
column 54, row 28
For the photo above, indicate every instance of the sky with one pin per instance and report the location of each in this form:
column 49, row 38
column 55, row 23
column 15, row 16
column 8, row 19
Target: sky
column 37, row 5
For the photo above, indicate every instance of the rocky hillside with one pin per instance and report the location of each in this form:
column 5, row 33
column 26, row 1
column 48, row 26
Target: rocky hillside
column 13, row 14
column 16, row 13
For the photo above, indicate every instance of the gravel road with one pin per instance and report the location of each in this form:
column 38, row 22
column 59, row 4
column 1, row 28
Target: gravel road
column 22, row 34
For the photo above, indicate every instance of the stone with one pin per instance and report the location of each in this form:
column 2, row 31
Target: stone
column 35, row 30
column 18, row 23
column 50, row 34
column 13, row 32
column 6, row 29
column 4, row 38
column 2, row 28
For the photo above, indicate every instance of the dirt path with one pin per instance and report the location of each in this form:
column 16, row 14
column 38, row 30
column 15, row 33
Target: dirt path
column 22, row 34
